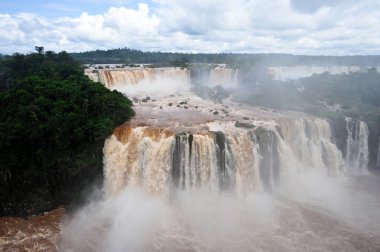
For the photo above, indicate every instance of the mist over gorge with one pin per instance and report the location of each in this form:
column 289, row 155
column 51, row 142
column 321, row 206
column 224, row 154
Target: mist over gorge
column 222, row 176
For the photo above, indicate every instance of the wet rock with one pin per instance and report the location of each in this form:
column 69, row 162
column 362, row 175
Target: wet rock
column 244, row 125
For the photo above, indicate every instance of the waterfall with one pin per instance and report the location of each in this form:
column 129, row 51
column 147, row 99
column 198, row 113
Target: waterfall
column 132, row 76
column 269, row 157
column 311, row 142
column 222, row 158
column 357, row 146
column 222, row 76
column 225, row 77
column 300, row 71
column 92, row 74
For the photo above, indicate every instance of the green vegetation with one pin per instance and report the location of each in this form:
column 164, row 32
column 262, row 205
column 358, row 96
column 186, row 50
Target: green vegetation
column 53, row 123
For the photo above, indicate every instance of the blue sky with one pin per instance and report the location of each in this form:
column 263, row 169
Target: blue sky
column 316, row 27
column 65, row 8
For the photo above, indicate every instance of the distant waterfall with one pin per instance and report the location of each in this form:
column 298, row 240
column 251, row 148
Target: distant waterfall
column 132, row 76
column 357, row 146
column 285, row 73
column 231, row 159
column 225, row 77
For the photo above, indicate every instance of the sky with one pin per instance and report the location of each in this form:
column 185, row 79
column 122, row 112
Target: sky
column 313, row 27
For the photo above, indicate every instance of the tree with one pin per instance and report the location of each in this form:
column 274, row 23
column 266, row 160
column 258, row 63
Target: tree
column 39, row 49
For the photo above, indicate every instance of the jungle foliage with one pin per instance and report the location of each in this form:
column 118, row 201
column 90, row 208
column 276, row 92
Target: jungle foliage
column 53, row 123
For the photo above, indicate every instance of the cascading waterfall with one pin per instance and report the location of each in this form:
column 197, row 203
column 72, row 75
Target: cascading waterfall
column 223, row 186
column 225, row 158
column 225, row 77
column 269, row 157
column 285, row 73
column 311, row 142
column 357, row 146
column 132, row 76
column 222, row 76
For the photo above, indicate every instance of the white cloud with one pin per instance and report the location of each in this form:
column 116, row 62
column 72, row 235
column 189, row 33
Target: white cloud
column 344, row 27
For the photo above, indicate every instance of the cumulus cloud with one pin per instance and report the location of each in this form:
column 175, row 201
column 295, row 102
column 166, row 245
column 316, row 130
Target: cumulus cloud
column 287, row 26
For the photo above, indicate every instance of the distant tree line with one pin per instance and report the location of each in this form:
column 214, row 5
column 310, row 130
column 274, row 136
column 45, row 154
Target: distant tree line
column 236, row 60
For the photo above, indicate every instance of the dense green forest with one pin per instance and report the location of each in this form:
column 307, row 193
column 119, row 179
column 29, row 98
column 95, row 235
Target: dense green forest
column 236, row 60
column 330, row 96
column 53, row 123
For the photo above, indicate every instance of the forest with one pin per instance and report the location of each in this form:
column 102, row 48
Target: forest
column 53, row 123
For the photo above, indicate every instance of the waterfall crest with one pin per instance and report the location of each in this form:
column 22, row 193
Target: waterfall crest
column 222, row 76
column 132, row 76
